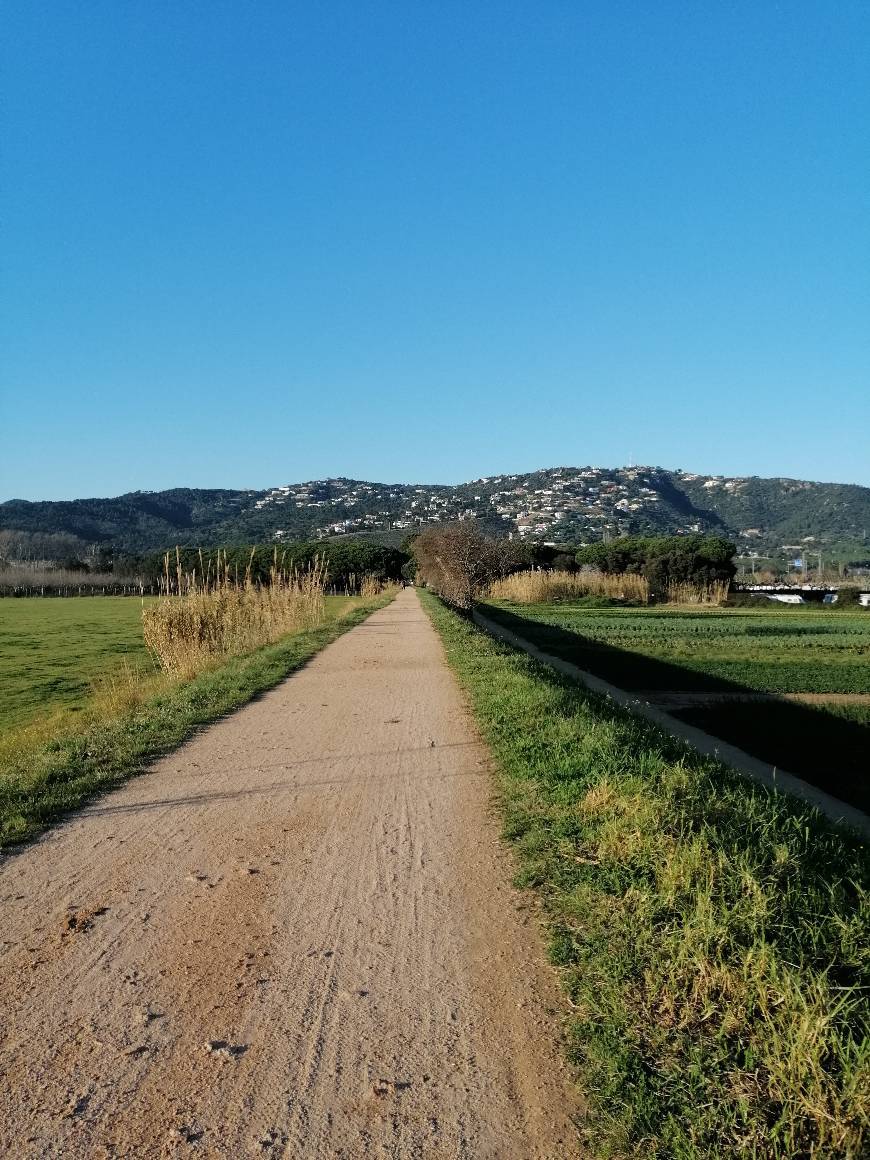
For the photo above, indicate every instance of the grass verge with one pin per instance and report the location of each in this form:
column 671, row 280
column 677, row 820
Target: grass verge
column 131, row 723
column 713, row 938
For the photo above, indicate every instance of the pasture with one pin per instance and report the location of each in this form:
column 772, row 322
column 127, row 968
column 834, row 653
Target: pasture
column 792, row 687
column 86, row 706
column 53, row 651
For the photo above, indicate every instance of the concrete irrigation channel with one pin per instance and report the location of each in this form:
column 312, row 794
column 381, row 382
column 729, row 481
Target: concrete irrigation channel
column 653, row 707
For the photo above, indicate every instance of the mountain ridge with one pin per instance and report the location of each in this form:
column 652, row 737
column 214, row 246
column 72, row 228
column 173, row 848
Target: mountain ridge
column 564, row 504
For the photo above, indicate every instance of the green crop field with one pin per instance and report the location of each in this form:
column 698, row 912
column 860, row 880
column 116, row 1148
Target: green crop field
column 768, row 651
column 655, row 651
column 53, row 650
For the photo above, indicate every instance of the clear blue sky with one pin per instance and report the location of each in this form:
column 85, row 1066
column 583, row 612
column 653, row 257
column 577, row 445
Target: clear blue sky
column 248, row 243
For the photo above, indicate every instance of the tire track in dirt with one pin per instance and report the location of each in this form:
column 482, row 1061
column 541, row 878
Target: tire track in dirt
column 294, row 937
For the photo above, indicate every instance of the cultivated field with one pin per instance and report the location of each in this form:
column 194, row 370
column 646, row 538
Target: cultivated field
column 791, row 687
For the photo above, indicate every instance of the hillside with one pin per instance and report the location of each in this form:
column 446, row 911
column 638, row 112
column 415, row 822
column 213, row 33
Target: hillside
column 573, row 504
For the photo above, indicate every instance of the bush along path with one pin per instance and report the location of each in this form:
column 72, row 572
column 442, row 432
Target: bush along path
column 713, row 938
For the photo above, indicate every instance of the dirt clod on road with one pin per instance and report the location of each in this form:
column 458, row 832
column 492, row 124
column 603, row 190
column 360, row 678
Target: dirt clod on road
column 294, row 937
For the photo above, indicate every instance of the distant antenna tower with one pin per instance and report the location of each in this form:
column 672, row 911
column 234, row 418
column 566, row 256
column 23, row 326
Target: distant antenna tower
column 630, row 459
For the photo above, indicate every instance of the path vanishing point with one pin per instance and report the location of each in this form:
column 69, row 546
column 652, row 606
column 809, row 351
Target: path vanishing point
column 295, row 936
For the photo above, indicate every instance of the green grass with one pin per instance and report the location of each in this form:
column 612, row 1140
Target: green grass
column 93, row 743
column 52, row 650
column 713, row 937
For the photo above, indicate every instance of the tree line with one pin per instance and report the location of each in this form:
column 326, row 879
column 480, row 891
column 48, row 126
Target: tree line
column 459, row 561
column 346, row 562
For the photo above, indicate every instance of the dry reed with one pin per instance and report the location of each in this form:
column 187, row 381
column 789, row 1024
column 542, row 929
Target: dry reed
column 539, row 587
column 364, row 584
column 30, row 580
column 203, row 618
column 370, row 586
column 714, row 592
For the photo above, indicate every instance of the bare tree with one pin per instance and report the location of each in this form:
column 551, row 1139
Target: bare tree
column 458, row 561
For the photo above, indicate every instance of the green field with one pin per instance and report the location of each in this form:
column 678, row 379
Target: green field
column 52, row 650
column 654, row 651
column 714, row 650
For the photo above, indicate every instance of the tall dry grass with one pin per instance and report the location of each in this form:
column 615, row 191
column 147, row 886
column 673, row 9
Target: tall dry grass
column 370, row 586
column 202, row 618
column 539, row 587
column 715, row 592
column 364, row 584
column 32, row 580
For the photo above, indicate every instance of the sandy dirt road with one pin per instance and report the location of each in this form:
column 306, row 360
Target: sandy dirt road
column 294, row 937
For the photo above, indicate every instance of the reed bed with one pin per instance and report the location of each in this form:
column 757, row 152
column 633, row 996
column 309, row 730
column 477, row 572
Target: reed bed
column 715, row 592
column 364, row 584
column 370, row 586
column 28, row 580
column 212, row 615
column 540, row 587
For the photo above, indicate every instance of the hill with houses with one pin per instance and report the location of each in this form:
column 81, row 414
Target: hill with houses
column 560, row 504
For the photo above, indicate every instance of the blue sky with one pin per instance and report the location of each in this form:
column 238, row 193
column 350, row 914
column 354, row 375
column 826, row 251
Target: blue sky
column 248, row 243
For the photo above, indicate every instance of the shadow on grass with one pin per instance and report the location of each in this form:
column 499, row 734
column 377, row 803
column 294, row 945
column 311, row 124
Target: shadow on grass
column 830, row 748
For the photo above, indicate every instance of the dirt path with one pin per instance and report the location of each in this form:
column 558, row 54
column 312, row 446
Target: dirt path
column 295, row 937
